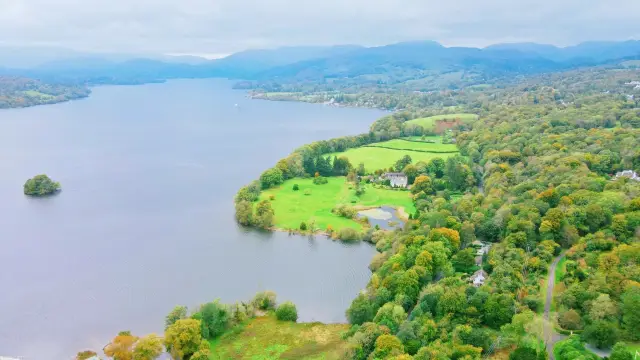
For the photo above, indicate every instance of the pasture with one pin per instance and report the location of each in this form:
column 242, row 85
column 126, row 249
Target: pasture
column 314, row 202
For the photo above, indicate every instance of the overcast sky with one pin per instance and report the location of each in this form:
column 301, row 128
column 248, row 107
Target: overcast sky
column 226, row 26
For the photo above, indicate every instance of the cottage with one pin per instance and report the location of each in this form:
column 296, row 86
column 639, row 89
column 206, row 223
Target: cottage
column 628, row 174
column 478, row 278
column 397, row 179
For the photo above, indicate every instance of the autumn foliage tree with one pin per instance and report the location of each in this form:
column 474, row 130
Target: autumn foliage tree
column 121, row 347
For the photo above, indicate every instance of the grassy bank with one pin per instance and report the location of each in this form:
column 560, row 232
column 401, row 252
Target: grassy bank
column 293, row 207
column 561, row 269
column 266, row 338
column 383, row 155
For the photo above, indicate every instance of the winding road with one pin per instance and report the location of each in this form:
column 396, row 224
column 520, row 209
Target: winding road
column 550, row 336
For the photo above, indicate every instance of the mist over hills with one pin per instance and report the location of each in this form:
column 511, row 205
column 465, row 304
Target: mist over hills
column 400, row 61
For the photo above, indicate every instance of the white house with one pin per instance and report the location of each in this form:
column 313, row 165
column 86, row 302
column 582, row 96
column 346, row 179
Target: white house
column 478, row 278
column 628, row 174
column 397, row 179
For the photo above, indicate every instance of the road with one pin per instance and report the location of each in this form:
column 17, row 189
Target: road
column 550, row 336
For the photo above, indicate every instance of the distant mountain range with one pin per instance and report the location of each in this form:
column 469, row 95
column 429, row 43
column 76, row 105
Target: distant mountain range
column 401, row 61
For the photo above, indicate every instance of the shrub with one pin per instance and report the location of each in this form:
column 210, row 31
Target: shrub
column 345, row 211
column 524, row 353
column 265, row 300
column 348, row 234
column 303, row 226
column 272, row 197
column 307, row 192
column 287, row 312
column 320, row 180
column 296, row 187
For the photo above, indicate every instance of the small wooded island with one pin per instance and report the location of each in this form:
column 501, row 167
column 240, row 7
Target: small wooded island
column 41, row 185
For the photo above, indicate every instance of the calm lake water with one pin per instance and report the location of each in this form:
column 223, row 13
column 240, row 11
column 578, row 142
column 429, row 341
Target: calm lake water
column 145, row 218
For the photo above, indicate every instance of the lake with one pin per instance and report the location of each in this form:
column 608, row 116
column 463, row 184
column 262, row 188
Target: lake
column 145, row 219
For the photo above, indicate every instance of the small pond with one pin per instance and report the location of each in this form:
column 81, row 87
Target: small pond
column 385, row 217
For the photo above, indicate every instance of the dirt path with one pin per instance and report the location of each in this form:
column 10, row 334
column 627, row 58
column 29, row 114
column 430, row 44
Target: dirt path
column 550, row 336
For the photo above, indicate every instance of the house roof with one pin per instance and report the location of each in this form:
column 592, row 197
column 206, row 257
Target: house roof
column 395, row 174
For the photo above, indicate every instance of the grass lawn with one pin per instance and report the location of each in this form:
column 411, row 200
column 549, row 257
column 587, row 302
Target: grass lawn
column 429, row 122
column 633, row 347
column 293, row 207
column 401, row 144
column 375, row 158
column 266, row 338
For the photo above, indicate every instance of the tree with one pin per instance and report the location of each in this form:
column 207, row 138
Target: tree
column 464, row 260
column 402, row 163
column 449, row 237
column 412, row 172
column 362, row 343
column 436, row 167
column 264, row 215
column 214, row 318
column 287, row 312
column 602, row 308
column 601, row 334
column 271, row 178
column 422, row 183
column 341, row 166
column 631, row 312
column 265, row 300
column 391, row 316
column 40, row 185
column 387, row 345
column 570, row 320
column 178, row 312
column 620, row 352
column 121, row 347
column 148, row 348
column 361, row 170
column 323, row 166
column 498, row 310
column 203, row 353
column 244, row 213
column 249, row 193
column 360, row 311
column 183, row 338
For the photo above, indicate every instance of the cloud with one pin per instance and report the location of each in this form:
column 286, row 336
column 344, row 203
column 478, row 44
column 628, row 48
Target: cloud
column 224, row 26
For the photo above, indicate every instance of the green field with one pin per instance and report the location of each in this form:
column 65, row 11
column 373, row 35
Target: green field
column 429, row 122
column 293, row 207
column 33, row 93
column 266, row 338
column 375, row 158
column 417, row 145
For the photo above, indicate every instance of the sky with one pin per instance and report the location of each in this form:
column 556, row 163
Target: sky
column 218, row 27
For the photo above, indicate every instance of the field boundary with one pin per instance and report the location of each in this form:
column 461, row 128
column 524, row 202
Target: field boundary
column 418, row 141
column 414, row 150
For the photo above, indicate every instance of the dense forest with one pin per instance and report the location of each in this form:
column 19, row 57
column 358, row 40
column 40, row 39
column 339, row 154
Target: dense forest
column 23, row 92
